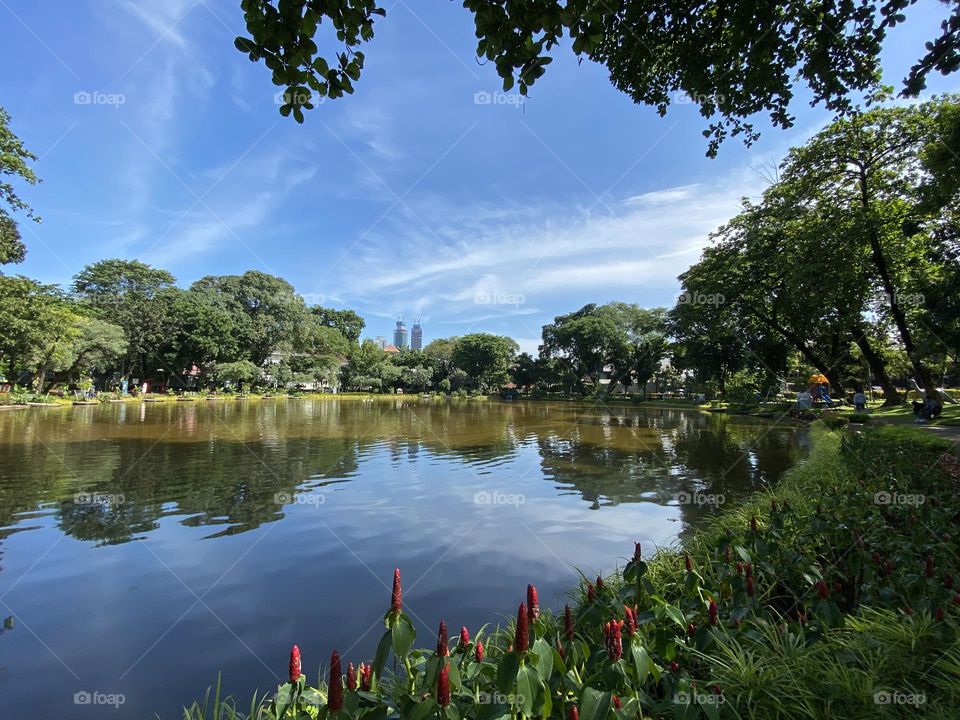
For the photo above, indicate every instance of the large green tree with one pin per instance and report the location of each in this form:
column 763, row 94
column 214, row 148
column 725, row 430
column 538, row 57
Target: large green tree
column 484, row 357
column 733, row 60
column 136, row 297
column 14, row 163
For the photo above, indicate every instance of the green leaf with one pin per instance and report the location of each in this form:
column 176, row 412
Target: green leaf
column 383, row 650
column 528, row 685
column 403, row 635
column 594, row 704
column 641, row 661
column 544, row 663
column 507, row 672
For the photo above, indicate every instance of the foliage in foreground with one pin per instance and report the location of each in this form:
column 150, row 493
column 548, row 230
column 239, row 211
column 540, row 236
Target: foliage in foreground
column 833, row 598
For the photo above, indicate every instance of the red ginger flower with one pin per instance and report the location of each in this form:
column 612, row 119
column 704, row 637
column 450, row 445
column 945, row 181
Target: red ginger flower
column 637, row 553
column 928, row 570
column 294, row 664
column 750, row 587
column 442, row 649
column 753, row 523
column 443, row 686
column 616, row 702
column 560, row 651
column 713, row 612
column 591, row 593
column 464, row 637
column 688, row 563
column 674, row 666
column 939, row 614
column 335, row 689
column 599, row 584
column 614, row 643
column 478, row 652
column 822, row 590
column 568, row 622
column 631, row 621
column 521, row 640
column 533, row 603
column 956, row 599
column 366, row 675
column 573, row 713
column 691, row 629
column 351, row 677
column 748, row 569
column 739, row 568
column 397, row 601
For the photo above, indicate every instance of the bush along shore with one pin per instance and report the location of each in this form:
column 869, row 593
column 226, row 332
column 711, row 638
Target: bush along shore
column 834, row 595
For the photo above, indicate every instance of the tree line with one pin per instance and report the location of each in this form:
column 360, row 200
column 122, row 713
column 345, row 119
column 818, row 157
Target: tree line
column 848, row 265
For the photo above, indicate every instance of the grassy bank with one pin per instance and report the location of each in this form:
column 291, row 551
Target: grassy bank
column 832, row 595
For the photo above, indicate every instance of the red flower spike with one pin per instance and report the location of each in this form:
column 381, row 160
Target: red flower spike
column 560, row 651
column 887, row 567
column 948, row 581
column 750, row 587
column 616, row 702
column 674, row 666
column 713, row 612
column 442, row 649
column 568, row 622
column 478, row 652
column 464, row 637
column 335, row 688
column 573, row 713
column 614, row 639
column 521, row 640
column 928, row 570
column 591, row 593
column 726, row 554
column 533, row 603
column 838, row 587
column 688, row 563
column 631, row 622
column 366, row 675
column 753, row 524
column 637, row 554
column 294, row 664
column 443, row 686
column 351, row 677
column 397, row 600
column 939, row 614
column 956, row 599
column 748, row 569
column 822, row 590
column 691, row 629
column 739, row 568
column 599, row 584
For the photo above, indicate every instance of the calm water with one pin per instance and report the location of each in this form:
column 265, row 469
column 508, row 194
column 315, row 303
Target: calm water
column 145, row 547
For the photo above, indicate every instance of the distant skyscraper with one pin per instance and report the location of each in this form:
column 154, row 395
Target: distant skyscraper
column 416, row 336
column 400, row 334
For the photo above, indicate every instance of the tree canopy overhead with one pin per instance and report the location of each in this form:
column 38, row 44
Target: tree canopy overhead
column 733, row 60
column 14, row 159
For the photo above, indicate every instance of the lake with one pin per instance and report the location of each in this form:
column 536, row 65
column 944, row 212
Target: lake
column 146, row 547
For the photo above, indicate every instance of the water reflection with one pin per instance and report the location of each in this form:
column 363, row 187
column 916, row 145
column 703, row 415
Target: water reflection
column 113, row 472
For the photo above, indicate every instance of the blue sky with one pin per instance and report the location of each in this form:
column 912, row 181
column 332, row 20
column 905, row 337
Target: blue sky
column 407, row 197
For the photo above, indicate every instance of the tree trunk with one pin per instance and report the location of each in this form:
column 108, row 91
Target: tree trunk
column 878, row 369
column 924, row 376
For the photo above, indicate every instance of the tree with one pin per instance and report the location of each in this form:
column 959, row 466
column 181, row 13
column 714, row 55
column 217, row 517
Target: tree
column 204, row 331
column 368, row 368
column 29, row 317
column 134, row 296
column 348, row 322
column 239, row 372
column 589, row 338
column 732, row 60
column 267, row 310
column 14, row 159
column 485, row 358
